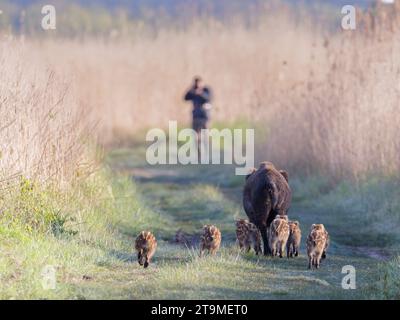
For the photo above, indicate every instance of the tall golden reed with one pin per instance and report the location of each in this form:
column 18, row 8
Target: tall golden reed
column 41, row 131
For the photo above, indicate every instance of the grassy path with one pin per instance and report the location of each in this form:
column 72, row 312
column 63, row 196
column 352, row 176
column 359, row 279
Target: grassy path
column 188, row 197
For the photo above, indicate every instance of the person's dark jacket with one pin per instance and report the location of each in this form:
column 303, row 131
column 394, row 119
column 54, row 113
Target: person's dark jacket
column 198, row 101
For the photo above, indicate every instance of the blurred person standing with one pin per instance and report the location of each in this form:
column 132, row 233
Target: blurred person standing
column 200, row 96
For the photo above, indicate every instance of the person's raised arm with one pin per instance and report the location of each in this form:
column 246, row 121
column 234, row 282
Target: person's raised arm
column 190, row 94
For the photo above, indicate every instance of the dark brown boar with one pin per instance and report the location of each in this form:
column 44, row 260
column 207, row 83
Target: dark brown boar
column 266, row 194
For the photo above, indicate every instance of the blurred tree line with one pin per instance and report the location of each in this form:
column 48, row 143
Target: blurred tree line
column 112, row 18
column 74, row 18
column 122, row 18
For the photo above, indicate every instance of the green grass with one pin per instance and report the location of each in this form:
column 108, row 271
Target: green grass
column 366, row 214
column 103, row 218
column 97, row 219
column 388, row 285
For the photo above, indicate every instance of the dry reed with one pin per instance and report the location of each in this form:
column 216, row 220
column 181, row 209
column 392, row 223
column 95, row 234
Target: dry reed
column 41, row 133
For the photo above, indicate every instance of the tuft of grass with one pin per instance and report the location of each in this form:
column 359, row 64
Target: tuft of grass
column 388, row 285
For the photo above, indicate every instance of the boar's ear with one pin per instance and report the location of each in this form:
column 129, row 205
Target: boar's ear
column 285, row 175
column 252, row 170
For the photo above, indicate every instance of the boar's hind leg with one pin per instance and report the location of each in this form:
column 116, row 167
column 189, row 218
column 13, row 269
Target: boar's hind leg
column 263, row 231
column 146, row 263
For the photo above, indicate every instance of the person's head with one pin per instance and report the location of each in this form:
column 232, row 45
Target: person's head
column 197, row 82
